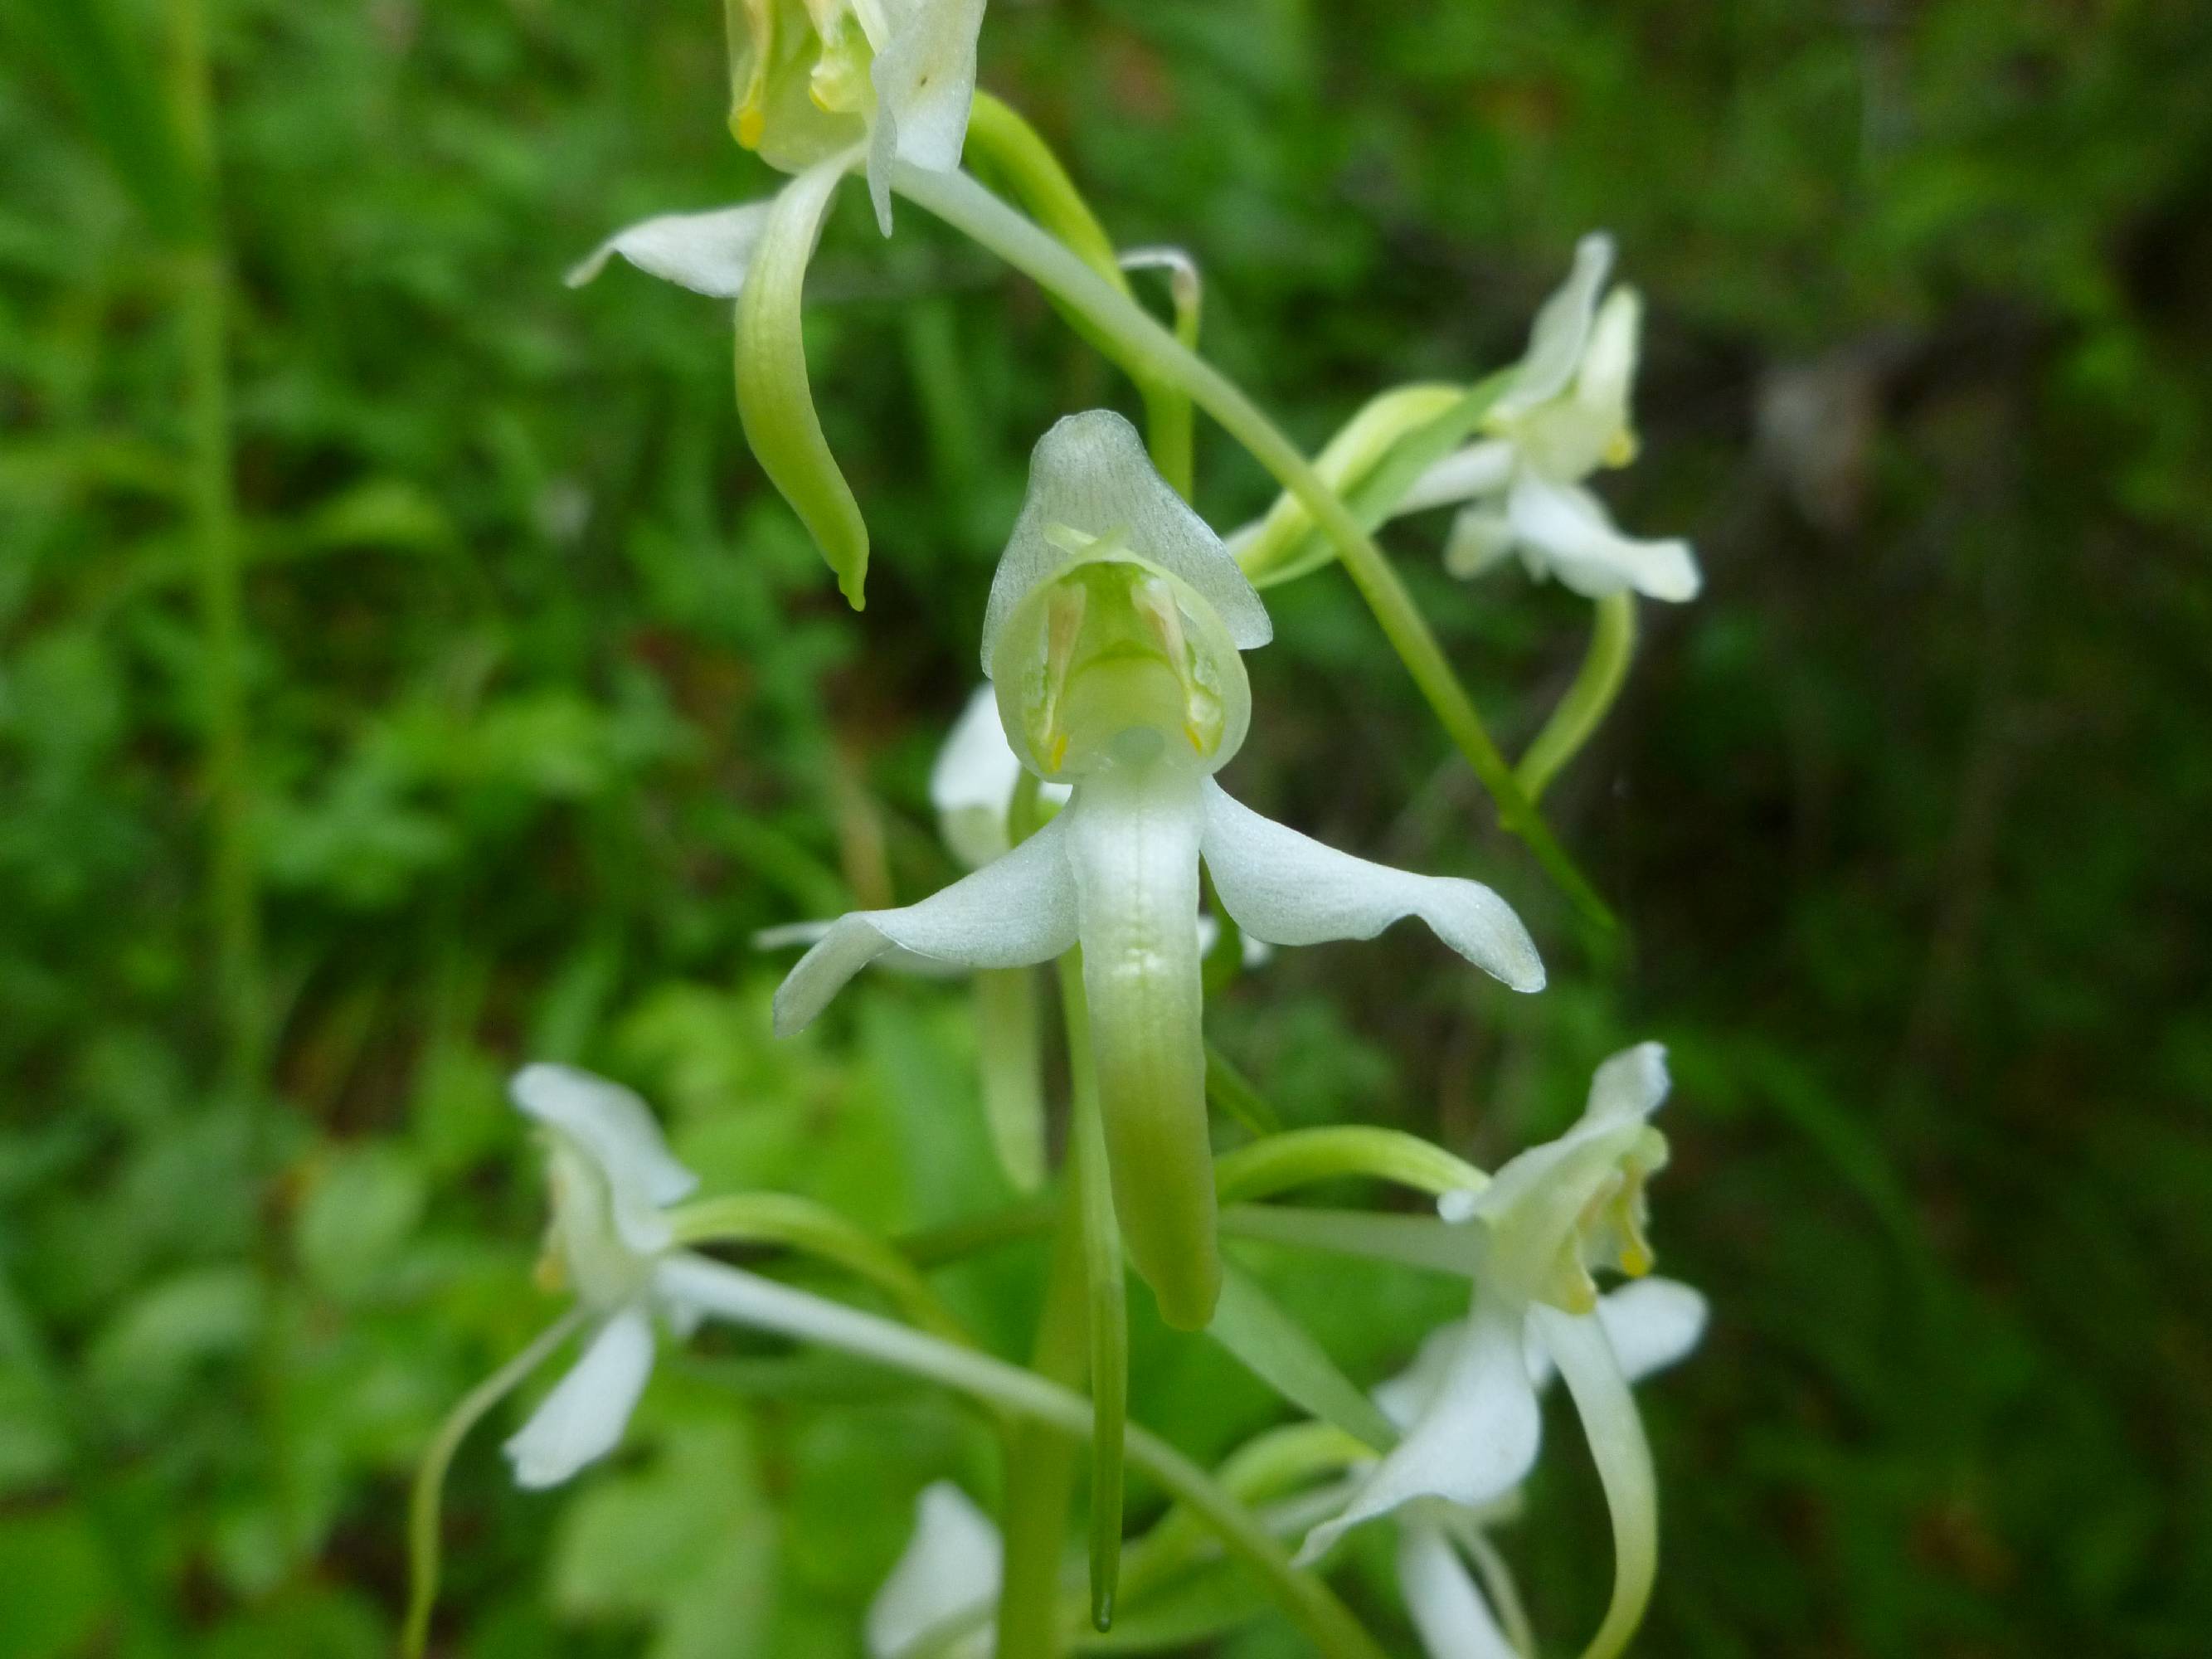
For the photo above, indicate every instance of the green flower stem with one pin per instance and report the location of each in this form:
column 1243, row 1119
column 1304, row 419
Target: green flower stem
column 765, row 1305
column 970, row 208
column 1106, row 1297
column 1017, row 152
column 1040, row 1464
column 800, row 1223
column 422, row 1503
column 1300, row 1157
column 204, row 278
column 1410, row 1241
column 1230, row 1090
column 1605, row 666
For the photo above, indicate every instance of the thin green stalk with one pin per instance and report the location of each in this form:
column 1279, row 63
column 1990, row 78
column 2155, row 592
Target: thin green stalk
column 422, row 1503
column 1298, row 1158
column 1010, row 147
column 1605, row 666
column 749, row 1300
column 203, row 280
column 970, row 208
column 1106, row 1297
column 1040, row 1464
column 800, row 1223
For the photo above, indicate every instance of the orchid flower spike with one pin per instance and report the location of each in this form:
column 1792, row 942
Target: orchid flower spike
column 611, row 1176
column 1563, row 416
column 1113, row 637
column 1534, row 1234
column 1463, row 1613
column 938, row 1596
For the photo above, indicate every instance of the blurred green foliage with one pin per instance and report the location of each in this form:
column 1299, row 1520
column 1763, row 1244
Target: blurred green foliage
column 552, row 706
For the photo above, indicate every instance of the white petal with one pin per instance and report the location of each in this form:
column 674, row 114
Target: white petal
column 925, row 80
column 1481, row 469
column 1561, row 329
column 1577, row 540
column 1404, row 1397
column 1480, row 536
column 1288, row 889
column 707, row 253
column 892, row 961
column 972, row 784
column 1609, row 371
column 583, row 1418
column 1091, row 473
column 617, row 1131
column 1631, row 1084
column 1013, row 911
column 1652, row 1323
column 950, row 1569
column 1475, row 1443
column 1447, row 1609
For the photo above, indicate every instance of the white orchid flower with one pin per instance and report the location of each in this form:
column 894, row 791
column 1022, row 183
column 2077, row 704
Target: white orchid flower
column 1113, row 637
column 1457, row 1590
column 824, row 82
column 819, row 88
column 1564, row 415
column 946, row 1581
column 1534, row 1235
column 611, row 1176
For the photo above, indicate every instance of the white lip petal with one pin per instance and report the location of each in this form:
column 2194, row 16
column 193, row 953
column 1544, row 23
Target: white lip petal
column 1481, row 469
column 618, row 1131
column 1448, row 1611
column 1560, row 332
column 950, row 1570
column 1289, row 889
column 894, row 960
column 583, row 1418
column 1577, row 540
column 1015, row 910
column 1474, row 1443
column 1091, row 473
column 707, row 253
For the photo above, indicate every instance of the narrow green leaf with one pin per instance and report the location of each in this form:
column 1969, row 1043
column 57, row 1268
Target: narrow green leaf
column 1229, row 1089
column 774, row 401
column 109, row 79
column 1283, row 1354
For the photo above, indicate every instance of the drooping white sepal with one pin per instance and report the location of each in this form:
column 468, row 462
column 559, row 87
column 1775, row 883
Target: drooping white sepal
column 1014, row 911
column 707, row 253
column 1473, row 1442
column 583, row 1418
column 1289, row 889
column 949, row 1573
column 1448, row 1610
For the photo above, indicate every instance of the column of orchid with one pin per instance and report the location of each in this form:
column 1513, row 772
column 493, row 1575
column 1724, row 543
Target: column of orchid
column 1080, row 791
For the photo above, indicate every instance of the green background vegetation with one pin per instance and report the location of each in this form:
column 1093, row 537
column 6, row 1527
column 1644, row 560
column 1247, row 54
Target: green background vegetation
column 551, row 705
